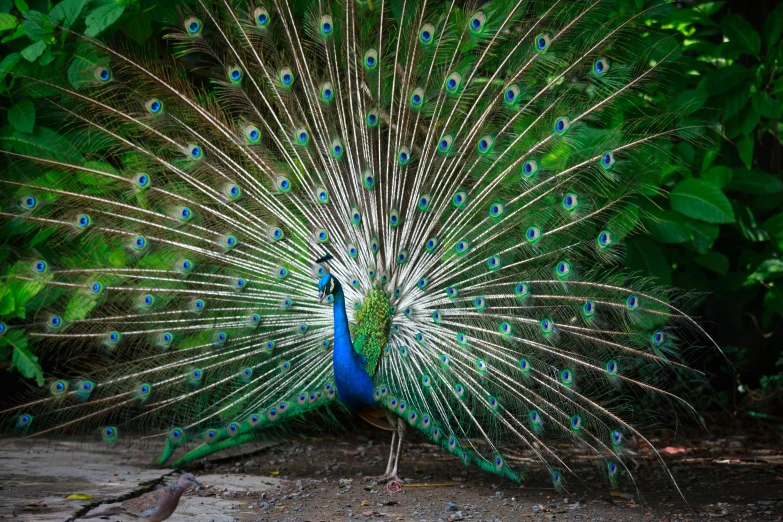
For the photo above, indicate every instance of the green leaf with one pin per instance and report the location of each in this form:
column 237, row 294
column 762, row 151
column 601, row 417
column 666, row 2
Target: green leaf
column 43, row 141
column 746, row 221
column 700, row 199
column 773, row 27
column 666, row 226
column 714, row 261
column 37, row 26
column 745, row 150
column 754, row 182
column 645, row 256
column 22, row 6
column 704, row 234
column 774, row 226
column 7, row 21
column 21, row 116
column 723, row 79
column 67, row 12
column 741, row 34
column 766, row 105
column 767, row 270
column 743, row 122
column 102, row 17
column 718, row 175
column 689, row 102
column 8, row 63
column 27, row 364
column 33, row 51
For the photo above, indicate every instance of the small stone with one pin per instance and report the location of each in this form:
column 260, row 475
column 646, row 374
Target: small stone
column 451, row 506
column 499, row 494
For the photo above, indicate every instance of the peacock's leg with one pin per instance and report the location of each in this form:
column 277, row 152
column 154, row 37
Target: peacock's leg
column 394, row 455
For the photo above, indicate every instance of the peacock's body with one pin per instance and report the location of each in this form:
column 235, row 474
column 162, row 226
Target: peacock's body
column 450, row 177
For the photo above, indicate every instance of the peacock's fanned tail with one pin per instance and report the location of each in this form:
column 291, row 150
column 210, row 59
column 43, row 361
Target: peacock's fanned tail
column 468, row 159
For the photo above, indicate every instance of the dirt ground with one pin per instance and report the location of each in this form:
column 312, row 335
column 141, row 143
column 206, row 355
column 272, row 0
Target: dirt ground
column 321, row 479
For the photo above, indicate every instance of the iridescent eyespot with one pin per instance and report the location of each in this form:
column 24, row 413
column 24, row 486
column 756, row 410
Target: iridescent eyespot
column 561, row 125
column 54, row 322
column 481, row 365
column 570, row 201
column 423, row 282
column 547, row 326
column 607, row 160
column 511, row 94
column 197, row 305
column 524, row 365
column 82, row 221
column 228, row 242
column 563, row 269
column 460, row 390
column 588, row 309
column 286, row 76
column 194, row 151
column 356, row 219
column 658, row 338
column 58, row 387
column 302, row 136
column 39, row 266
column 567, row 377
column 193, row 26
column 576, row 422
column 529, row 169
column 444, row 359
column 322, row 195
column 29, row 202
column 506, row 328
column 600, row 66
column 373, row 118
column 102, row 74
column 184, row 265
column 460, row 199
column 611, row 367
column 533, row 234
column 96, row 287
column 424, row 202
column 232, row 191
column 445, row 143
column 175, row 435
column 322, row 236
column 142, row 180
column 368, row 179
column 477, row 22
column 426, row 34
column 371, row 59
column 394, row 218
column 283, row 184
column 165, row 339
column 402, row 256
column 147, row 300
column 496, row 210
column 617, row 437
column 254, row 319
column 281, row 272
column 604, row 239
column 431, row 244
column 522, row 290
column 453, row 83
column 480, row 304
column 153, row 105
column 452, row 292
column 196, row 374
column 494, row 262
column 633, row 302
column 183, row 213
column 326, row 25
column 261, row 17
column 352, row 250
column 403, row 156
column 327, row 92
column 417, row 98
column 234, row 74
column 542, row 42
column 252, row 134
column 239, row 283
column 485, row 144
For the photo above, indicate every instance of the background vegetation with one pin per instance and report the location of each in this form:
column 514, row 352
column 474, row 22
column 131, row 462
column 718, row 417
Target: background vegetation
column 715, row 228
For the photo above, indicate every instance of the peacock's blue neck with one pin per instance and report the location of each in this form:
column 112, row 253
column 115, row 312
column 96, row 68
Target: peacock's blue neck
column 354, row 386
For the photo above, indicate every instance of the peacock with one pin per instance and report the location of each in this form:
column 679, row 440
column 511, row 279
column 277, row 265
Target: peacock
column 412, row 211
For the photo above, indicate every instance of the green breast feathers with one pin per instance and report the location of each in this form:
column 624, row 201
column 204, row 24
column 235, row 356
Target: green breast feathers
column 373, row 321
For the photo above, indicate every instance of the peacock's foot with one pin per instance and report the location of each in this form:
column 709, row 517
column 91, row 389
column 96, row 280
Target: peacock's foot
column 385, row 478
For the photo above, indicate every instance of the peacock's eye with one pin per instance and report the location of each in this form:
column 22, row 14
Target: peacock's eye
column 485, row 144
column 561, row 125
column 261, row 16
column 193, row 26
column 194, row 151
column 542, row 42
column 153, row 105
column 477, row 22
column 417, row 98
column 600, row 66
column 445, row 143
column 286, row 76
column 326, row 25
column 426, row 34
column 511, row 94
column 102, row 74
column 234, row 74
column 371, row 59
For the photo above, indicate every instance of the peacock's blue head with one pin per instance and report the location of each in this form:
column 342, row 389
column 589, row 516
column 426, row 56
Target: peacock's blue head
column 327, row 285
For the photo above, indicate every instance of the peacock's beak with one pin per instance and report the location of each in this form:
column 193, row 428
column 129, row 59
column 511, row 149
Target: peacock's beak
column 321, row 295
